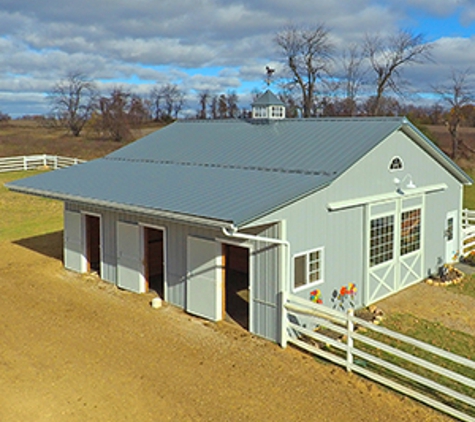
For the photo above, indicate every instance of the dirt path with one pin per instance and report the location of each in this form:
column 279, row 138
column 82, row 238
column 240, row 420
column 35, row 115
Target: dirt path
column 75, row 349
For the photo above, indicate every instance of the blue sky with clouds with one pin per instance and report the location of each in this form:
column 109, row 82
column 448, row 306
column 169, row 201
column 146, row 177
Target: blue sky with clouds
column 218, row 45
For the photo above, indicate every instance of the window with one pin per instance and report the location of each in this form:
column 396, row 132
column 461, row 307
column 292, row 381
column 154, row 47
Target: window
column 450, row 229
column 381, row 240
column 260, row 112
column 396, row 164
column 308, row 268
column 410, row 231
column 277, row 111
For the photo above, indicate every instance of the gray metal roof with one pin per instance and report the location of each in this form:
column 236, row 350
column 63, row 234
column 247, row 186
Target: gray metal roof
column 232, row 171
column 268, row 99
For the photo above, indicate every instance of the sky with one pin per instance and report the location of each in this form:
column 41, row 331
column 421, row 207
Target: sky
column 215, row 45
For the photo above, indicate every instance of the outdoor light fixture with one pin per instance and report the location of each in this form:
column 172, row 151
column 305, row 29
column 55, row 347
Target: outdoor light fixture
column 399, row 183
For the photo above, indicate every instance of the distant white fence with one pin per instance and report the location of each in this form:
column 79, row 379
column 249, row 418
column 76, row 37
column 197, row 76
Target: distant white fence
column 34, row 162
column 468, row 231
column 382, row 355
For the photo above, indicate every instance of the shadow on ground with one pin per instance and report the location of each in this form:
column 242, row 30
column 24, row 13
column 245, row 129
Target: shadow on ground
column 49, row 244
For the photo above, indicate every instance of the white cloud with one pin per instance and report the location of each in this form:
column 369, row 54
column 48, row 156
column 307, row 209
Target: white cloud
column 202, row 44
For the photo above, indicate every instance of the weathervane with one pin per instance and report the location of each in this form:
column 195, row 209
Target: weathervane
column 269, row 75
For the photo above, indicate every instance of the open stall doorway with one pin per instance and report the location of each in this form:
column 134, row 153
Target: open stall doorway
column 93, row 243
column 236, row 284
column 154, row 260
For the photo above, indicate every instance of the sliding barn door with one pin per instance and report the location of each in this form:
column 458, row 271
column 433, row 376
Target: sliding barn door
column 129, row 257
column 73, row 246
column 203, row 284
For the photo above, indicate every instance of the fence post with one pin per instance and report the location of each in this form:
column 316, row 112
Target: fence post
column 25, row 163
column 283, row 319
column 349, row 340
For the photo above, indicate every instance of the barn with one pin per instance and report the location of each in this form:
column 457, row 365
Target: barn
column 220, row 217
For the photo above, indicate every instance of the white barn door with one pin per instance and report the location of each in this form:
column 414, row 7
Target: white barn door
column 129, row 257
column 73, row 246
column 394, row 246
column 204, row 293
column 382, row 260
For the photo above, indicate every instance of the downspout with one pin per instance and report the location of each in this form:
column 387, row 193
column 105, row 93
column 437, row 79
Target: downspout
column 232, row 231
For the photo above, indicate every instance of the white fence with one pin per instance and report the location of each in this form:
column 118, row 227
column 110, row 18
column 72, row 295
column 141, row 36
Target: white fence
column 351, row 342
column 33, row 162
column 468, row 231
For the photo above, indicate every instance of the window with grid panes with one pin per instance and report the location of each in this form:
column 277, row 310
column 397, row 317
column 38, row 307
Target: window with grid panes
column 410, row 231
column 308, row 268
column 381, row 240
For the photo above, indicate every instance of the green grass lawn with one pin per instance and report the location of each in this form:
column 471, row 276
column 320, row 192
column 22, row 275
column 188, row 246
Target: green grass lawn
column 469, row 193
column 467, row 287
column 435, row 334
column 26, row 215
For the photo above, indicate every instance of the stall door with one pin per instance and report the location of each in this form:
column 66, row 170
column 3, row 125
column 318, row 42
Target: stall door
column 203, row 282
column 129, row 257
column 73, row 249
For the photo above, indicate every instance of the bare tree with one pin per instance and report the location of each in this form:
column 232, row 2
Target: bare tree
column 166, row 102
column 73, row 101
column 114, row 119
column 173, row 99
column 156, row 98
column 213, row 107
column 457, row 93
column 137, row 112
column 353, row 74
column 308, row 53
column 388, row 56
column 203, row 98
column 232, row 100
column 222, row 106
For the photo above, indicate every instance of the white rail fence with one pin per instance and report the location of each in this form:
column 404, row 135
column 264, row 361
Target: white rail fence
column 468, row 231
column 34, row 162
column 383, row 356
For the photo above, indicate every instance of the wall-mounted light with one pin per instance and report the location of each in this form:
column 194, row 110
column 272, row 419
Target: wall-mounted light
column 399, row 183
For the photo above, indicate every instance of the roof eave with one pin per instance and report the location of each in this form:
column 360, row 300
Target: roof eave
column 427, row 145
column 135, row 209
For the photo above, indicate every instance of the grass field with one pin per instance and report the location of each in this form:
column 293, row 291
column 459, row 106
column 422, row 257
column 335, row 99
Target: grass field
column 26, row 215
column 20, row 137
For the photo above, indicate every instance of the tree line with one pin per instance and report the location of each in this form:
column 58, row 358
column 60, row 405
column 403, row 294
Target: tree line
column 315, row 80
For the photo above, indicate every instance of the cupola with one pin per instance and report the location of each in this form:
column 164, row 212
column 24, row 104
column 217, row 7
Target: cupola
column 268, row 106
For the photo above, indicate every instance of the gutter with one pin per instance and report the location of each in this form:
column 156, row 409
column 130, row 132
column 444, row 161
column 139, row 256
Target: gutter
column 232, row 232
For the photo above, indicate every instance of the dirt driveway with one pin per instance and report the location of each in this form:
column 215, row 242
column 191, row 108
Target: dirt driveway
column 73, row 348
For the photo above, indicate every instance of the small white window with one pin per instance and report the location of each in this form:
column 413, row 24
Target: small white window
column 308, row 268
column 260, row 112
column 277, row 112
column 396, row 164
